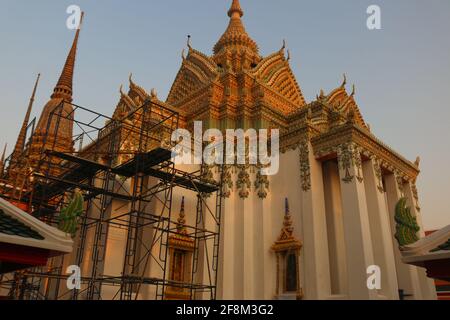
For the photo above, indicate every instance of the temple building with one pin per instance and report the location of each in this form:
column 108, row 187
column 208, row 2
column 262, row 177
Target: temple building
column 309, row 232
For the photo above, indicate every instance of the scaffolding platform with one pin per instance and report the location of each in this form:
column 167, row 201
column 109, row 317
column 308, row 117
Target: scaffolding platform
column 145, row 204
column 142, row 162
column 84, row 170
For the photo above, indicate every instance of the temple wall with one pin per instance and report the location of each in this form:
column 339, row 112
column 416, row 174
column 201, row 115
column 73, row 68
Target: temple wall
column 344, row 227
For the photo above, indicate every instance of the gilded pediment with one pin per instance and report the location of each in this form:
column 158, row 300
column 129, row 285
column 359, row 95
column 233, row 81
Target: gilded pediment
column 196, row 71
column 344, row 103
column 275, row 72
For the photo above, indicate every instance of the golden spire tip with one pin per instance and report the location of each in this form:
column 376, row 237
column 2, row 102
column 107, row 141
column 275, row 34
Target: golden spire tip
column 235, row 8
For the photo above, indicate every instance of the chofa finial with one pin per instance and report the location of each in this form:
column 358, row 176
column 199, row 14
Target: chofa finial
column 353, row 91
column 189, row 42
column 183, row 56
column 417, row 162
column 344, row 82
column 153, row 93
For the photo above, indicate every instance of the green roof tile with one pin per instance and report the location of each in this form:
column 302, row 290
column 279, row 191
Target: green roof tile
column 11, row 226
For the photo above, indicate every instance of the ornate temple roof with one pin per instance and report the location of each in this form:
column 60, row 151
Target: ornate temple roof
column 237, row 53
column 275, row 72
column 235, row 35
column 344, row 103
column 197, row 70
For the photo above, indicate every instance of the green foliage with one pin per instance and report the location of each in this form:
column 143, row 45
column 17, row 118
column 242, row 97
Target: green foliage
column 68, row 218
column 407, row 227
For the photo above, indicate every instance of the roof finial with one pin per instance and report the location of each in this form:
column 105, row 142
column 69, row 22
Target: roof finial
column 181, row 226
column 2, row 161
column 121, row 90
column 189, row 42
column 183, row 56
column 4, row 153
column 20, row 144
column 130, row 79
column 283, row 46
column 288, row 55
column 235, row 9
column 344, row 82
column 353, row 91
column 417, row 162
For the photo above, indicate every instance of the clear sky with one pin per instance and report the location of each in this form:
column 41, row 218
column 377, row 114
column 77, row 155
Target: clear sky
column 402, row 72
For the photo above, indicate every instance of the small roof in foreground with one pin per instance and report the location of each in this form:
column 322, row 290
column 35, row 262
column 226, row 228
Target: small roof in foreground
column 20, row 228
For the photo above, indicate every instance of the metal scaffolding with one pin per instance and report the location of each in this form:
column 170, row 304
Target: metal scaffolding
column 125, row 171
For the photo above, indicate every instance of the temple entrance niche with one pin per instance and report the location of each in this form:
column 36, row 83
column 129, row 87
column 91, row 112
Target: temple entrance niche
column 181, row 248
column 287, row 249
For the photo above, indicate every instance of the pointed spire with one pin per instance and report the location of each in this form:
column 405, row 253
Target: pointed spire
column 287, row 230
column 20, row 144
column 63, row 88
column 2, row 161
column 236, row 35
column 181, row 227
column 235, row 9
column 286, row 206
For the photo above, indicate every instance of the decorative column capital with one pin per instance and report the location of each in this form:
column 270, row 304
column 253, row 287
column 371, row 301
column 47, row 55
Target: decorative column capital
column 349, row 158
column 378, row 173
column 399, row 179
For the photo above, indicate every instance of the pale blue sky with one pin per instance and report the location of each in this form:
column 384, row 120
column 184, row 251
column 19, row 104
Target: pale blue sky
column 402, row 72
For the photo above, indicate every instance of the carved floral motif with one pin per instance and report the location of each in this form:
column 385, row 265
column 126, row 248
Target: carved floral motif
column 243, row 182
column 261, row 184
column 305, row 170
column 378, row 174
column 227, row 181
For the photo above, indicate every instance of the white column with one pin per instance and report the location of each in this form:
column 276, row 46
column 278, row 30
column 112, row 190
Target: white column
column 248, row 217
column 227, row 250
column 426, row 284
column 268, row 258
column 264, row 267
column 315, row 250
column 380, row 229
column 335, row 226
column 239, row 233
column 408, row 278
column 356, row 223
